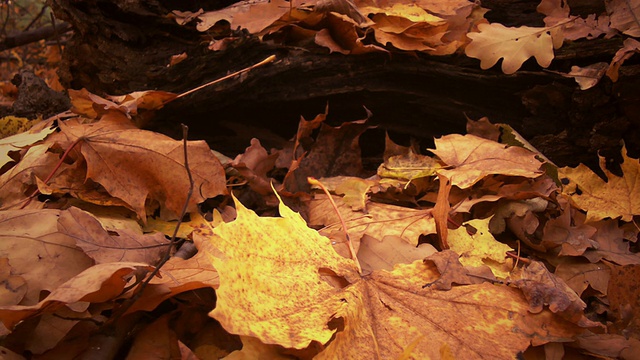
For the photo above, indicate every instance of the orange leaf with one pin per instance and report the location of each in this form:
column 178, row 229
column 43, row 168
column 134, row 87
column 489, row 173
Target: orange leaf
column 296, row 285
column 471, row 158
column 138, row 165
column 616, row 197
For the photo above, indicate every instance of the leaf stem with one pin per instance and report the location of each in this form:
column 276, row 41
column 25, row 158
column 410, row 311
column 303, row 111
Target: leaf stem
column 314, row 181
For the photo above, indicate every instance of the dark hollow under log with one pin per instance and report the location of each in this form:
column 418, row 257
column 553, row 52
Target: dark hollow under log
column 124, row 46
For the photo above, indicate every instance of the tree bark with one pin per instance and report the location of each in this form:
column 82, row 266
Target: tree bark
column 123, row 46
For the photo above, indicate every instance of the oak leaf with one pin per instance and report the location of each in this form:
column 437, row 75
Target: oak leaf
column 618, row 196
column 568, row 232
column 625, row 15
column 254, row 16
column 514, row 45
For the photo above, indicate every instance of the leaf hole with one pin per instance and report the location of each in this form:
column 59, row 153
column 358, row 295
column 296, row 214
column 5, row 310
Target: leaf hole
column 330, row 277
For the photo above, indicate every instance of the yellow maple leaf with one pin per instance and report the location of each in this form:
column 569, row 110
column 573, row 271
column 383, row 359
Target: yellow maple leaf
column 282, row 283
column 616, row 197
column 276, row 295
column 480, row 248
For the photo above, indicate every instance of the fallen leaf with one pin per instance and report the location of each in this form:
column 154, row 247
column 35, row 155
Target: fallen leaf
column 118, row 246
column 513, row 45
column 380, row 220
column 375, row 254
column 298, row 282
column 611, row 245
column 480, row 248
column 21, row 141
column 335, row 152
column 578, row 274
column 470, row 158
column 568, row 232
column 17, row 184
column 113, row 149
column 39, row 253
column 624, row 291
column 450, row 269
column 541, row 288
column 624, row 16
column 12, row 287
column 588, row 76
column 278, row 319
column 408, row 167
column 251, row 15
column 629, row 48
column 613, row 198
column 609, row 345
column 179, row 275
column 98, row 283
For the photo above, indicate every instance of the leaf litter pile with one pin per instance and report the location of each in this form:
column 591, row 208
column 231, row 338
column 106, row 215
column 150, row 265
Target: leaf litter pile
column 483, row 249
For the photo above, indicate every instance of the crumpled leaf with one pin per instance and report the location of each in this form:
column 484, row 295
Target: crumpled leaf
column 588, row 76
column 514, row 45
column 541, row 288
column 408, row 167
column 470, row 158
column 113, row 148
column 98, row 283
column 629, row 48
column 568, row 232
column 616, row 197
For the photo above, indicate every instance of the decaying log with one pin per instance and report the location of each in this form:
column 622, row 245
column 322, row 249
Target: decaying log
column 123, row 46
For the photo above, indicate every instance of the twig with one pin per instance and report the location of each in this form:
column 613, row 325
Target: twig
column 33, row 36
column 270, row 59
column 314, row 181
column 173, row 242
